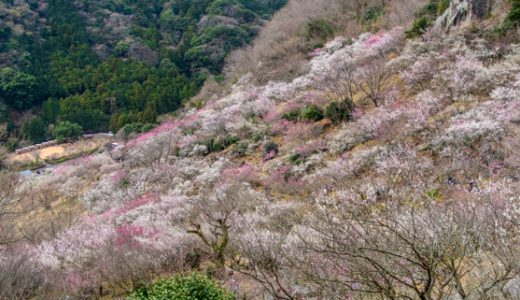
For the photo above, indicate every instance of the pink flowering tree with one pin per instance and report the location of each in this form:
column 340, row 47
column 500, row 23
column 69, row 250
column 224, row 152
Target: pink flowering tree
column 282, row 179
column 152, row 133
column 300, row 131
column 311, row 148
column 245, row 173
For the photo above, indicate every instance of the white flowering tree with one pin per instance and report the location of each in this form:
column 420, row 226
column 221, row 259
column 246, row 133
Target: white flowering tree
column 213, row 215
column 416, row 250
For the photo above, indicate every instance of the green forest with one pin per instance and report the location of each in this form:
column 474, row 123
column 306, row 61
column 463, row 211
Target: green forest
column 104, row 65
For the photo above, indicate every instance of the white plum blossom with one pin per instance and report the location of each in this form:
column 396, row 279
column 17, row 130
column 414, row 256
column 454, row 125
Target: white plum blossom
column 139, row 206
column 468, row 75
column 487, row 121
column 420, row 72
column 507, row 93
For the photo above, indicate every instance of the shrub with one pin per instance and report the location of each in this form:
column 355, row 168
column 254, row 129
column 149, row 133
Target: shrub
column 296, row 159
column 418, row 27
column 431, row 9
column 312, row 112
column 292, row 115
column 67, row 130
column 442, row 6
column 320, row 29
column 514, row 15
column 374, row 13
column 220, row 143
column 183, row 287
column 270, row 150
column 433, row 194
column 241, row 148
column 338, row 112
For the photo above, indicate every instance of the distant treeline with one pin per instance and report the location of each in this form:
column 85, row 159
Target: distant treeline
column 77, row 69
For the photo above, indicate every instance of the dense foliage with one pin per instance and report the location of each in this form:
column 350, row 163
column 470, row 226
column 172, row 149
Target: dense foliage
column 514, row 14
column 67, row 130
column 426, row 17
column 105, row 64
column 183, row 287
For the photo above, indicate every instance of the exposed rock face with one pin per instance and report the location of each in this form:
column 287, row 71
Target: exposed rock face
column 462, row 11
column 512, row 288
column 480, row 8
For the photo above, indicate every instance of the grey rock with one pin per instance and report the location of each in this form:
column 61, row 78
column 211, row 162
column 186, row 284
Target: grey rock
column 511, row 289
column 462, row 11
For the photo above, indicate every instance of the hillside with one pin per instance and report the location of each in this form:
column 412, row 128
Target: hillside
column 385, row 167
column 107, row 64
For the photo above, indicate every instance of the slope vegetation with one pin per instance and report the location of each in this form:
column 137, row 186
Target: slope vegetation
column 106, row 64
column 387, row 169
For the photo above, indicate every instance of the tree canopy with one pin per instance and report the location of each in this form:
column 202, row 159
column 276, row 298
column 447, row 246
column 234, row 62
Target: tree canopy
column 105, row 64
